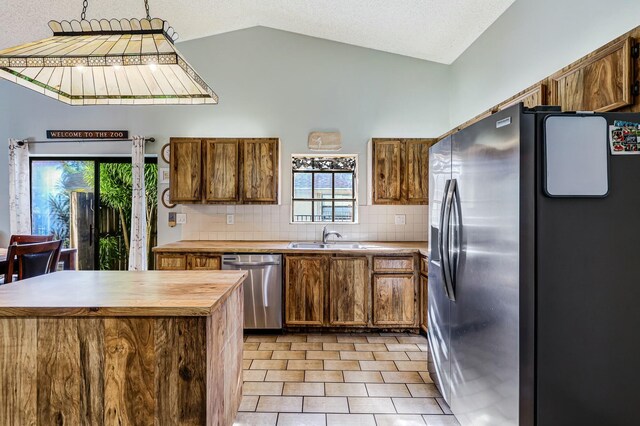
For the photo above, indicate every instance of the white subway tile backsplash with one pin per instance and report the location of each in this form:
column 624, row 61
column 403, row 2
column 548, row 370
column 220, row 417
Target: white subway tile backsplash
column 375, row 223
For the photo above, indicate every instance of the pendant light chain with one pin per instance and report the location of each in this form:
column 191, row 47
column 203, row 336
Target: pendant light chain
column 83, row 15
column 146, row 6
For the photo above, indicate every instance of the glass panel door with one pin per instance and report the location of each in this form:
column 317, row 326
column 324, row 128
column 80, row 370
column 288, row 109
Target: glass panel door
column 87, row 204
column 63, row 204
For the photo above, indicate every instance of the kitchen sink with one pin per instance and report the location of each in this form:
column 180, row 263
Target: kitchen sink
column 328, row 246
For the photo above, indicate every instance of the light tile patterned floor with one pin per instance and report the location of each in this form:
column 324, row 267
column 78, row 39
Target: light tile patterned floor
column 376, row 379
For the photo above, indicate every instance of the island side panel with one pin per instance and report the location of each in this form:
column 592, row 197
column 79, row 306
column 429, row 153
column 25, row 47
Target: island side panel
column 18, row 369
column 224, row 359
column 102, row 371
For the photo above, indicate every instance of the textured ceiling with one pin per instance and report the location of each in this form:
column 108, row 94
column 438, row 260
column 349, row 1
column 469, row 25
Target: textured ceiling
column 435, row 30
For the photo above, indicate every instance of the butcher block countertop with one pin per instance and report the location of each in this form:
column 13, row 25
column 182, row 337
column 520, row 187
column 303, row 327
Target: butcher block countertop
column 119, row 293
column 212, row 246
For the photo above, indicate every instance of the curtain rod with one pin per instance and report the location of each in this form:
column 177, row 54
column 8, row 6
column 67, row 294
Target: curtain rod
column 22, row 142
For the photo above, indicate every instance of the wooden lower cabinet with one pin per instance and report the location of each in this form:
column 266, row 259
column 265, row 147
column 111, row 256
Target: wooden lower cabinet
column 305, row 290
column 424, row 302
column 394, row 300
column 348, row 291
column 171, row 262
column 187, row 261
column 203, row 262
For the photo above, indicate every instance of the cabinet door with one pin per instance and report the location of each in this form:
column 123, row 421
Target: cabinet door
column 260, row 171
column 532, row 97
column 304, row 290
column 186, row 170
column 348, row 290
column 387, row 175
column 599, row 82
column 424, row 301
column 221, row 168
column 171, row 262
column 417, row 169
column 203, row 262
column 393, row 300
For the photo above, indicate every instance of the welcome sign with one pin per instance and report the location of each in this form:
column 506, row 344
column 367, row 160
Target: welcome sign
column 87, row 134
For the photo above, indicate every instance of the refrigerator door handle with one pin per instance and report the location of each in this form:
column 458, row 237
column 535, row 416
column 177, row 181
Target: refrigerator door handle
column 454, row 250
column 442, row 232
column 446, row 241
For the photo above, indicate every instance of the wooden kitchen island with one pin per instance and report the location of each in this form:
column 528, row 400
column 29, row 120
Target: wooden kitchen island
column 105, row 348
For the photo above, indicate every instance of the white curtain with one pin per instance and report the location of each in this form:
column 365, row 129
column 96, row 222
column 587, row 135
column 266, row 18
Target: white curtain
column 19, row 197
column 138, row 240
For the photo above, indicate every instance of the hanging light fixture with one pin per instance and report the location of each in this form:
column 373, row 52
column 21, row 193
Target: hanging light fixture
column 126, row 61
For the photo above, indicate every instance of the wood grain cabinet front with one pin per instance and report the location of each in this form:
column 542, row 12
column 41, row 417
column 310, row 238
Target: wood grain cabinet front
column 601, row 81
column 221, row 170
column 400, row 171
column 224, row 170
column 260, row 171
column 348, row 291
column 394, row 300
column 305, row 290
column 171, row 262
column 424, row 302
column 206, row 262
column 185, row 184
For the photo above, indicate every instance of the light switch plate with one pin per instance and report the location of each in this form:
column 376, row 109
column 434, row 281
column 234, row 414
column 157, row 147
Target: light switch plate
column 181, row 218
column 230, row 219
column 401, row 219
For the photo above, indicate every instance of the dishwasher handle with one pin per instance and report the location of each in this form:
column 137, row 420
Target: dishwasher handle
column 225, row 262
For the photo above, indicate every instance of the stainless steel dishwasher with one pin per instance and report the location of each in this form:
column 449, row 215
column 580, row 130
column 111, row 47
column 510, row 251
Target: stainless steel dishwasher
column 262, row 288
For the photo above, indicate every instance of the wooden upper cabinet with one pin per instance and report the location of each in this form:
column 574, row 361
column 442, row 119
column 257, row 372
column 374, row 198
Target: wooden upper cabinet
column 305, row 290
column 417, row 169
column 387, row 171
column 394, row 300
column 532, row 97
column 221, row 169
column 260, row 171
column 599, row 82
column 186, row 170
column 400, row 171
column 348, row 291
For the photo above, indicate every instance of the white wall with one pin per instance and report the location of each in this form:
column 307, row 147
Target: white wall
column 531, row 40
column 270, row 83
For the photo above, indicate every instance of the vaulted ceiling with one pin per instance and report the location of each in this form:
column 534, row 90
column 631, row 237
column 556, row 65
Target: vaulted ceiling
column 434, row 30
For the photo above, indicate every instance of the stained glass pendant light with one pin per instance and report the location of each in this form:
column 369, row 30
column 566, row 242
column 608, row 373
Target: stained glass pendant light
column 126, row 61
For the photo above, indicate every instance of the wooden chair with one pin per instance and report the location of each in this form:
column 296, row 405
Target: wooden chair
column 32, row 260
column 29, row 239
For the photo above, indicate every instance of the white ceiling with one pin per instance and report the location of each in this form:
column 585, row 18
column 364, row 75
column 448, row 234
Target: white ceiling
column 435, row 30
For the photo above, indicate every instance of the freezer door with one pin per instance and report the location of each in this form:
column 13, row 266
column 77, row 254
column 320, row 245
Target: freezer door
column 438, row 304
column 484, row 315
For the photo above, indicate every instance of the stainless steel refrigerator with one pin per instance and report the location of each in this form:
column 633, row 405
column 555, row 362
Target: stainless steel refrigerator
column 534, row 270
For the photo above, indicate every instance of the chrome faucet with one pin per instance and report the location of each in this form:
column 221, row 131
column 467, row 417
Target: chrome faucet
column 326, row 233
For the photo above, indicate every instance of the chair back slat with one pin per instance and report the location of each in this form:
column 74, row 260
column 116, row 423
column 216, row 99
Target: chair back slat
column 32, row 259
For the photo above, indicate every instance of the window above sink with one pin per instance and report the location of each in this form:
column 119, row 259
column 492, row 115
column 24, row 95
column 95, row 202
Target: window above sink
column 324, row 188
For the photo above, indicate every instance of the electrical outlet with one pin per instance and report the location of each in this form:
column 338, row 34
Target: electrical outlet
column 230, row 219
column 181, row 218
column 401, row 219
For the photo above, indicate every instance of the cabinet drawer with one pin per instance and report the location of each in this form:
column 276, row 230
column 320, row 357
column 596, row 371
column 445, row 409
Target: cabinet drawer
column 424, row 265
column 171, row 262
column 203, row 262
column 393, row 264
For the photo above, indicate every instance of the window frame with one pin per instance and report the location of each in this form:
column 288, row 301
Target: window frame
column 333, row 199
